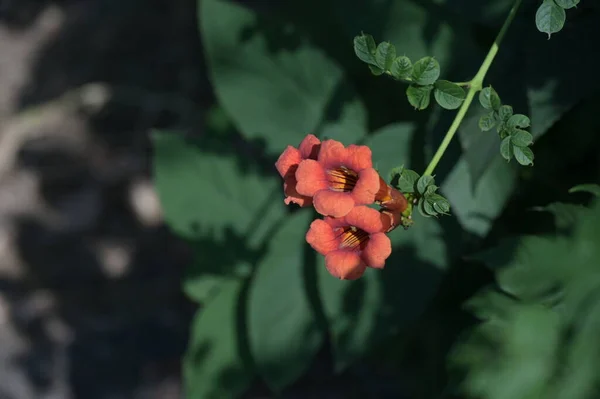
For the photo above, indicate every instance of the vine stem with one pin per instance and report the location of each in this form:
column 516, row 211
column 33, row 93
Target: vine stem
column 475, row 85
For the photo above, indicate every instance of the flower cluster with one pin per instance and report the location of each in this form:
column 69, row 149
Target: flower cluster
column 340, row 182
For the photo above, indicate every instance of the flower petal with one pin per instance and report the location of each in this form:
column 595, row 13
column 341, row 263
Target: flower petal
column 321, row 237
column 289, row 189
column 345, row 265
column 390, row 219
column 366, row 187
column 365, row 218
column 289, row 158
column 358, row 157
column 332, row 154
column 310, row 177
column 393, row 200
column 335, row 223
column 309, row 147
column 333, row 203
column 378, row 249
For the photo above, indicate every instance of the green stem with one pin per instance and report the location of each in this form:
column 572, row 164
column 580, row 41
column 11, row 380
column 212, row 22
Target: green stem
column 475, row 85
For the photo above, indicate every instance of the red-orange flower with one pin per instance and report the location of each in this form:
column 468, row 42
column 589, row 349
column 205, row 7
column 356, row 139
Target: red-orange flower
column 352, row 243
column 339, row 179
column 389, row 198
column 288, row 163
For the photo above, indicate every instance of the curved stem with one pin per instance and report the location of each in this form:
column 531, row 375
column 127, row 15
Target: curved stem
column 474, row 85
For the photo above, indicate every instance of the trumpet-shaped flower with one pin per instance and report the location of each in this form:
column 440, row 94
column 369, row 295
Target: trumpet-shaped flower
column 287, row 164
column 353, row 242
column 389, row 198
column 339, row 179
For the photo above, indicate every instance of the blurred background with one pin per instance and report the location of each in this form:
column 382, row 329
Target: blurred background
column 90, row 297
column 91, row 304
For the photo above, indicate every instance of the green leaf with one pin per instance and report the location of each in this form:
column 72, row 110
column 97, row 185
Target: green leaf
column 385, row 55
column 424, row 182
column 293, row 87
column 426, row 71
column 192, row 184
column 477, row 205
column 214, row 366
column 439, row 203
column 448, row 95
column 490, row 303
column 489, row 99
column 587, row 188
column 406, row 180
column 430, row 190
column 365, row 48
column 566, row 216
column 526, row 266
column 518, row 120
column 401, row 68
column 347, row 117
column 487, row 122
column 428, row 207
column 375, row 70
column 505, row 112
column 506, row 149
column 523, row 155
column 518, row 353
column 422, row 209
column 521, row 138
column 419, row 96
column 566, row 4
column 284, row 335
column 550, row 18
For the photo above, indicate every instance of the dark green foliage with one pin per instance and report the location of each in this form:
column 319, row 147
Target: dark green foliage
column 268, row 305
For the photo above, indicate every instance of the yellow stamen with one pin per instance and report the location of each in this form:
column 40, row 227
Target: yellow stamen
column 354, row 238
column 342, row 179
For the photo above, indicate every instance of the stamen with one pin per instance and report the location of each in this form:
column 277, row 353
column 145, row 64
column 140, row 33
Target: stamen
column 342, row 179
column 354, row 238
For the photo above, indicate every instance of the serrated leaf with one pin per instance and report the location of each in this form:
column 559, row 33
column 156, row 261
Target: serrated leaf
column 213, row 366
column 489, row 99
column 421, row 207
column 586, row 188
column 505, row 112
column 419, row 96
column 518, row 120
column 523, row 155
column 550, row 18
column 430, row 190
column 566, row 4
column 424, row 182
column 448, row 95
column 428, row 208
column 506, row 149
column 283, row 342
column 401, row 67
column 439, row 203
column 406, row 181
column 365, row 48
column 487, row 122
column 521, row 138
column 426, row 71
column 385, row 55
